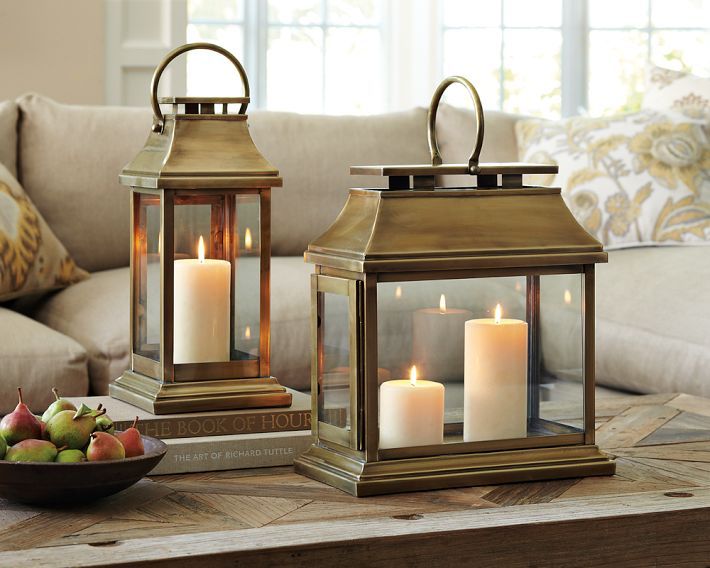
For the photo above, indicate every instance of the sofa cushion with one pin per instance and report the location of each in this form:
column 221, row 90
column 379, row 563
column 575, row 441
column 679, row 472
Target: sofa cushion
column 8, row 136
column 95, row 313
column 32, row 260
column 38, row 358
column 653, row 320
column 678, row 91
column 314, row 155
column 70, row 158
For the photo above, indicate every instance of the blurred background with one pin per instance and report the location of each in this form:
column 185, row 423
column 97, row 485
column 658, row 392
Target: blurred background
column 548, row 58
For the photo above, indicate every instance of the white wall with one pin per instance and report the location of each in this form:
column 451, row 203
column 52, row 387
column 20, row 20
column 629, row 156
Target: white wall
column 52, row 47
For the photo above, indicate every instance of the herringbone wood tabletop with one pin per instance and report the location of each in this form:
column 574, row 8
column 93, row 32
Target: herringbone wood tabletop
column 654, row 511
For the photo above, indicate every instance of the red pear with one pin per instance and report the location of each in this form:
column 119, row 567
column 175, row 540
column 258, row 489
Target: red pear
column 132, row 441
column 20, row 424
column 104, row 446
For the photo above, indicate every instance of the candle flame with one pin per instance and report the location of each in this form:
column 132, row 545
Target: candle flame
column 413, row 376
column 398, row 292
column 442, row 304
column 498, row 313
column 201, row 249
column 247, row 239
column 247, row 332
column 568, row 297
column 518, row 287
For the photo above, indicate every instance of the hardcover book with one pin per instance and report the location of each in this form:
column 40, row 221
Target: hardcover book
column 243, row 451
column 216, row 423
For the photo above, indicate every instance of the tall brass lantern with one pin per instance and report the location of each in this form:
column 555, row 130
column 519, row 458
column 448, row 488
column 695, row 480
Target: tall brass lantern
column 200, row 258
column 453, row 331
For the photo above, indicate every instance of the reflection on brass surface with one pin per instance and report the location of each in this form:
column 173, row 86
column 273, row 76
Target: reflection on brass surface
column 415, row 231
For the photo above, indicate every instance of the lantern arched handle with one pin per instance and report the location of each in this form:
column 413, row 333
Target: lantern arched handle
column 158, row 119
column 431, row 121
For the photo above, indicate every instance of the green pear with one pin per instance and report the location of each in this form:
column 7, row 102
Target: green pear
column 32, row 451
column 3, row 447
column 104, row 423
column 73, row 429
column 20, row 424
column 70, row 456
column 56, row 407
column 104, row 446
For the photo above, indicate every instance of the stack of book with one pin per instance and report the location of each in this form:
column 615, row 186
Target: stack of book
column 225, row 439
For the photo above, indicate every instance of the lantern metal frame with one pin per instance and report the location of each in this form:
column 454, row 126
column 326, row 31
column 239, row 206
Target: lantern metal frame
column 199, row 157
column 413, row 231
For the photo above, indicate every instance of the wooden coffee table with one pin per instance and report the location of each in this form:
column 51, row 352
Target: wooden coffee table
column 654, row 512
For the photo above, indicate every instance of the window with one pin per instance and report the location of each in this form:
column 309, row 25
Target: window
column 541, row 57
column 623, row 36
column 301, row 54
column 510, row 49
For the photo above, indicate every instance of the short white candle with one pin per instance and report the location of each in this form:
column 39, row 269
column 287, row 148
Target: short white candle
column 411, row 412
column 201, row 309
column 495, row 379
column 437, row 340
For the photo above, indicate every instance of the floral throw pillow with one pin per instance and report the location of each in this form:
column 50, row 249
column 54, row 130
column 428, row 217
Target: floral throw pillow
column 677, row 91
column 630, row 180
column 32, row 259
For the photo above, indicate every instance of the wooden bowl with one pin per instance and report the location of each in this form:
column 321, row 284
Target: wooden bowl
column 69, row 483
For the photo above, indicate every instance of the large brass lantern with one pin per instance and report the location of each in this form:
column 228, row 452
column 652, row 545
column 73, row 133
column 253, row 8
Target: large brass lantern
column 453, row 331
column 200, row 258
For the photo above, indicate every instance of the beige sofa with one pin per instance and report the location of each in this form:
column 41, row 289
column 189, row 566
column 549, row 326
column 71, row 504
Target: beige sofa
column 653, row 304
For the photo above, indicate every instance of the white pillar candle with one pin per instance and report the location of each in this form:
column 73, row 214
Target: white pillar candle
column 201, row 309
column 495, row 379
column 438, row 339
column 411, row 413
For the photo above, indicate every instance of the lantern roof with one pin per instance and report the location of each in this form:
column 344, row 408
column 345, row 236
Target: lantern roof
column 446, row 229
column 201, row 151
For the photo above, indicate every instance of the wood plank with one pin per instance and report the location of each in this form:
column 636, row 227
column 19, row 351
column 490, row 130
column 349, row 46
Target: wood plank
column 653, row 528
column 633, row 425
column 690, row 403
column 54, row 524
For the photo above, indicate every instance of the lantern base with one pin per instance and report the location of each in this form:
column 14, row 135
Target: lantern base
column 362, row 479
column 198, row 396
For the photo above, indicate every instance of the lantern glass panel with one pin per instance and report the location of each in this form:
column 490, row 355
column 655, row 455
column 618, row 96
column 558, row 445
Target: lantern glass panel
column 146, row 280
column 334, row 368
column 522, row 377
column 247, row 278
column 562, row 349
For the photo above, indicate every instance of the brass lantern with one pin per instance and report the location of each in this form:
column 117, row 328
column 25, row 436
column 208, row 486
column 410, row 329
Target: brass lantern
column 200, row 258
column 453, row 331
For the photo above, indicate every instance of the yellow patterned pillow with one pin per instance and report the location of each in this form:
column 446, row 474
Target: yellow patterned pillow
column 630, row 180
column 32, row 259
column 677, row 91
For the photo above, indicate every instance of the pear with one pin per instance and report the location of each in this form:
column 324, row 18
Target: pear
column 20, row 424
column 73, row 429
column 104, row 423
column 104, row 446
column 56, row 407
column 3, row 447
column 132, row 441
column 32, row 451
column 70, row 456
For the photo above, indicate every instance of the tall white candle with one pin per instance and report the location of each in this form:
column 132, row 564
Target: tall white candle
column 437, row 340
column 495, row 379
column 201, row 309
column 411, row 413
